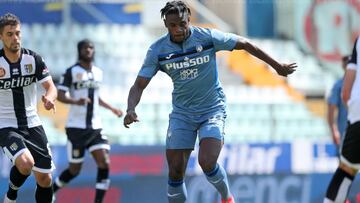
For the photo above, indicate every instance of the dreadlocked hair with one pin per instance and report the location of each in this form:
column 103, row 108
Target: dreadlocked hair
column 81, row 44
column 175, row 7
column 8, row 19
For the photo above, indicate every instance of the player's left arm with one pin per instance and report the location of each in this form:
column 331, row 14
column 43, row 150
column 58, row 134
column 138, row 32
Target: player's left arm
column 50, row 95
column 282, row 69
column 106, row 105
column 43, row 76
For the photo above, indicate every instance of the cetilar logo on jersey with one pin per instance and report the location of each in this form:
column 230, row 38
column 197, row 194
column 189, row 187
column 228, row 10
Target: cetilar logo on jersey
column 87, row 84
column 16, row 82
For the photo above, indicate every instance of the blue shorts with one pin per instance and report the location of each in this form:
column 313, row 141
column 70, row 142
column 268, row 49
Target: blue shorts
column 183, row 129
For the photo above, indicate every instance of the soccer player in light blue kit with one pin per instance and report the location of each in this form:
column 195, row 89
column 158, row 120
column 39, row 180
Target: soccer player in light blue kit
column 187, row 55
column 337, row 109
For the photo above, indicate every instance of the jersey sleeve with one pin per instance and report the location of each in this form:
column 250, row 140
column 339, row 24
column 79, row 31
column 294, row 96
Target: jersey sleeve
column 65, row 81
column 223, row 41
column 42, row 72
column 353, row 60
column 151, row 64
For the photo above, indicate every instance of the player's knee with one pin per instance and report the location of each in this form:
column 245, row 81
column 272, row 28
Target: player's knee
column 25, row 168
column 103, row 164
column 24, row 164
column 44, row 180
column 102, row 159
column 75, row 171
column 206, row 164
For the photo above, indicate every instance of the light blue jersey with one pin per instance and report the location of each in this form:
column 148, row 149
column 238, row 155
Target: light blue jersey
column 192, row 68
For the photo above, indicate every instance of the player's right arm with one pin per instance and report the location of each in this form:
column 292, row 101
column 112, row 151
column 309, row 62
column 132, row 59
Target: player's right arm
column 332, row 109
column 134, row 98
column 43, row 76
column 64, row 97
column 149, row 68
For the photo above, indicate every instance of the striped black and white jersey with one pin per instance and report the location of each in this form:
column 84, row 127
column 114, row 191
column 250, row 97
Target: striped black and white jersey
column 83, row 83
column 18, row 90
column 354, row 102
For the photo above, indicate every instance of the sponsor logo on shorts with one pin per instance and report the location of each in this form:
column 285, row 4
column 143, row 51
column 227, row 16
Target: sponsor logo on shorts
column 217, row 120
column 14, row 146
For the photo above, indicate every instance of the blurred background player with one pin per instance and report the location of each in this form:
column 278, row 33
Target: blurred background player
column 337, row 113
column 187, row 55
column 341, row 181
column 22, row 136
column 83, row 127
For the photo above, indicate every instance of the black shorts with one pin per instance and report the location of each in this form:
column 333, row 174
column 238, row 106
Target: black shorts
column 81, row 139
column 350, row 149
column 15, row 141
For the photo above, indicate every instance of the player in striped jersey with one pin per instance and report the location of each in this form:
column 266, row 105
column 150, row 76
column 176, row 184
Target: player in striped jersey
column 22, row 136
column 83, row 128
column 349, row 165
column 187, row 54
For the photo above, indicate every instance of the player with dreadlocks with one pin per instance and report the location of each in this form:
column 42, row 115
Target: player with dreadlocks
column 80, row 87
column 187, row 54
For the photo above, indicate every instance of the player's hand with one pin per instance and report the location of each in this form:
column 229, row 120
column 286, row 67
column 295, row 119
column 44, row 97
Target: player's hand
column 117, row 112
column 48, row 103
column 285, row 69
column 130, row 117
column 83, row 101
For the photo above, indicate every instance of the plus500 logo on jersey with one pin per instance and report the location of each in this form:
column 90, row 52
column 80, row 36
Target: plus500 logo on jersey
column 188, row 62
column 16, row 82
